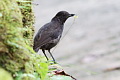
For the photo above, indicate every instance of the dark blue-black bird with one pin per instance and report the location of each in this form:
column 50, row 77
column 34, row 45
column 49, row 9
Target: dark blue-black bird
column 49, row 35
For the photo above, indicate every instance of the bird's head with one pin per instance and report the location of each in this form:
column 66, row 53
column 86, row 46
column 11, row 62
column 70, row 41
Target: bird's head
column 62, row 16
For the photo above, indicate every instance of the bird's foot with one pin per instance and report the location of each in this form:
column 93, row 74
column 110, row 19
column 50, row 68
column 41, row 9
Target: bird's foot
column 52, row 62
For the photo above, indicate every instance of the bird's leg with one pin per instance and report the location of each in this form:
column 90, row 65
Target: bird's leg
column 45, row 54
column 52, row 56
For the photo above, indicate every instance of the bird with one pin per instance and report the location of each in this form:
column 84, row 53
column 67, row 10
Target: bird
column 49, row 34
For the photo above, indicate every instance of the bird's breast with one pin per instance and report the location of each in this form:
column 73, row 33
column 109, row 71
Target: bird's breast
column 56, row 40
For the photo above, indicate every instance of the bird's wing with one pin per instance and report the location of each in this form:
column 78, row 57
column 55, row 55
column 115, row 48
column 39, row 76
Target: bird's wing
column 45, row 35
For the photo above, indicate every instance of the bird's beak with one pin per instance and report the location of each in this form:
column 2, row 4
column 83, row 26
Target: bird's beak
column 71, row 15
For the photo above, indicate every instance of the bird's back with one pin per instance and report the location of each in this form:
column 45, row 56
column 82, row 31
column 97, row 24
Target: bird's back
column 48, row 36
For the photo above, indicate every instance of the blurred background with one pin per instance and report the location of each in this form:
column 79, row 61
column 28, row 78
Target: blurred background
column 92, row 44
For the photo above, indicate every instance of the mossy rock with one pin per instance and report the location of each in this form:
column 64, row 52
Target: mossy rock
column 15, row 48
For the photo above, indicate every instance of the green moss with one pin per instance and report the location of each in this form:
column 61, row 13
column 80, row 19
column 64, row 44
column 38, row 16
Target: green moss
column 16, row 40
column 14, row 52
column 28, row 19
